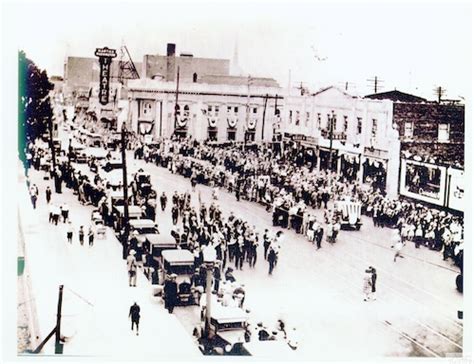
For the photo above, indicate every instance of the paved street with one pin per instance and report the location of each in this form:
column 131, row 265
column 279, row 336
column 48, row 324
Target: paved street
column 318, row 292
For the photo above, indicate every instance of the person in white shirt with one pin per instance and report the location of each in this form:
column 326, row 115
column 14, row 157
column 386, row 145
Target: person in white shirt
column 398, row 245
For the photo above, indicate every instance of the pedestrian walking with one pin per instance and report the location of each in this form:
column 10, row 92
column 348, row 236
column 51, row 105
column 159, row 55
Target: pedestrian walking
column 373, row 282
column 48, row 193
column 56, row 211
column 134, row 315
column 70, row 232
column 132, row 268
column 367, row 284
column 174, row 214
column 81, row 235
column 34, row 192
column 398, row 245
column 90, row 234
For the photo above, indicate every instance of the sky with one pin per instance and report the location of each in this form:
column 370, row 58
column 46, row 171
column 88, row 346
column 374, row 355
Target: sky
column 413, row 47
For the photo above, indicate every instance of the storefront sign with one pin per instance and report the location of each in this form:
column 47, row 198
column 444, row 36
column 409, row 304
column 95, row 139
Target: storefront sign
column 375, row 153
column 455, row 195
column 105, row 59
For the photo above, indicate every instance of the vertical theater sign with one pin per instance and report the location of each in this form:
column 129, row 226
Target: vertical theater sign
column 105, row 59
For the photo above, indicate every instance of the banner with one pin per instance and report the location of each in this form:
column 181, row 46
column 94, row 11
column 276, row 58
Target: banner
column 423, row 181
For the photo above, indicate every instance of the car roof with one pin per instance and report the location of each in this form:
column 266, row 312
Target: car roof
column 178, row 256
column 142, row 223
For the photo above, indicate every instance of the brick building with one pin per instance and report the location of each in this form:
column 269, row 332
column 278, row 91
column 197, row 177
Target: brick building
column 428, row 129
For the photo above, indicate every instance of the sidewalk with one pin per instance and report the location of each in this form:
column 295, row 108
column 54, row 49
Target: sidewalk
column 96, row 296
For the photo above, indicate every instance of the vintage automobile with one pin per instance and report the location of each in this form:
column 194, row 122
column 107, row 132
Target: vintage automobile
column 134, row 212
column 159, row 243
column 112, row 164
column 145, row 228
column 350, row 212
column 181, row 263
column 227, row 330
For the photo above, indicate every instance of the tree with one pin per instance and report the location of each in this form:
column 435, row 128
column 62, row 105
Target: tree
column 34, row 107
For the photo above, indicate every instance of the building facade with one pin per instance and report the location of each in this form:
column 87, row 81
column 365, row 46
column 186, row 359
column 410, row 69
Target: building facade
column 365, row 143
column 215, row 112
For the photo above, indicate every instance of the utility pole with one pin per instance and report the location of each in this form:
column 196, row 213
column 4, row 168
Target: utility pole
column 376, row 82
column 125, row 193
column 439, row 92
column 176, row 101
column 264, row 110
column 331, row 131
column 56, row 330
column 51, row 143
column 59, row 346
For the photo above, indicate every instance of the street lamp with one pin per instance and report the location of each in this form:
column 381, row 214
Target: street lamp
column 209, row 256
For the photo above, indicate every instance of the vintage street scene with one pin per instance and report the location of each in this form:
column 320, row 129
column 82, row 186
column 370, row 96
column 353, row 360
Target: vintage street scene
column 196, row 180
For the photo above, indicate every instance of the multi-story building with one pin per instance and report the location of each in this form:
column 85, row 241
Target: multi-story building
column 365, row 144
column 221, row 108
column 432, row 148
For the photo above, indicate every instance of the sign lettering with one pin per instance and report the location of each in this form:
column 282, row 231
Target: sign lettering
column 105, row 59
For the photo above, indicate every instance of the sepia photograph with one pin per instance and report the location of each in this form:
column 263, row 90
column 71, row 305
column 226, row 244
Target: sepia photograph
column 255, row 180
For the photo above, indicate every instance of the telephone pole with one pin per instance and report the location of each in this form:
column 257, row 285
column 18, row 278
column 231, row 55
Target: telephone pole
column 376, row 83
column 264, row 110
column 439, row 92
column 176, row 107
column 125, row 193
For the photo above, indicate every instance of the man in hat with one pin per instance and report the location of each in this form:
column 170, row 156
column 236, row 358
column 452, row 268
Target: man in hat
column 373, row 282
column 134, row 314
column 171, row 292
column 132, row 268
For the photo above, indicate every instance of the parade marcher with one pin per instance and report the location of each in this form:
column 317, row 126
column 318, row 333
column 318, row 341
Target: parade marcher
column 55, row 210
column 163, row 200
column 134, row 315
column 81, row 235
column 70, row 231
column 171, row 292
column 132, row 268
column 91, row 235
column 48, row 193
column 272, row 256
column 65, row 212
column 174, row 214
column 266, row 243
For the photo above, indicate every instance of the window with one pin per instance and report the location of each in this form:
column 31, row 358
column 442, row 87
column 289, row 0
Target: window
column 147, row 108
column 230, row 135
column 195, row 77
column 254, row 110
column 216, row 110
column 297, row 118
column 443, row 132
column 236, row 109
column 307, row 119
column 409, row 129
column 186, row 111
column 229, row 109
column 332, row 122
column 291, row 116
column 359, row 125
column 346, row 123
column 318, row 121
column 209, row 108
column 374, row 128
column 329, row 122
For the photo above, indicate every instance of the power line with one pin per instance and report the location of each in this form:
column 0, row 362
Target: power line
column 376, row 83
column 439, row 92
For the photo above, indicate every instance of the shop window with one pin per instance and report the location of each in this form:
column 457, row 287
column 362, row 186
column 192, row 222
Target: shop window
column 443, row 132
column 359, row 125
column 409, row 129
column 374, row 128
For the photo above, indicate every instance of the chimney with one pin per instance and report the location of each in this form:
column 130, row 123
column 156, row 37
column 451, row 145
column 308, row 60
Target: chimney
column 170, row 49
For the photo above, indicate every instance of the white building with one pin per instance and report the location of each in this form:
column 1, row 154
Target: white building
column 366, row 144
column 237, row 110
